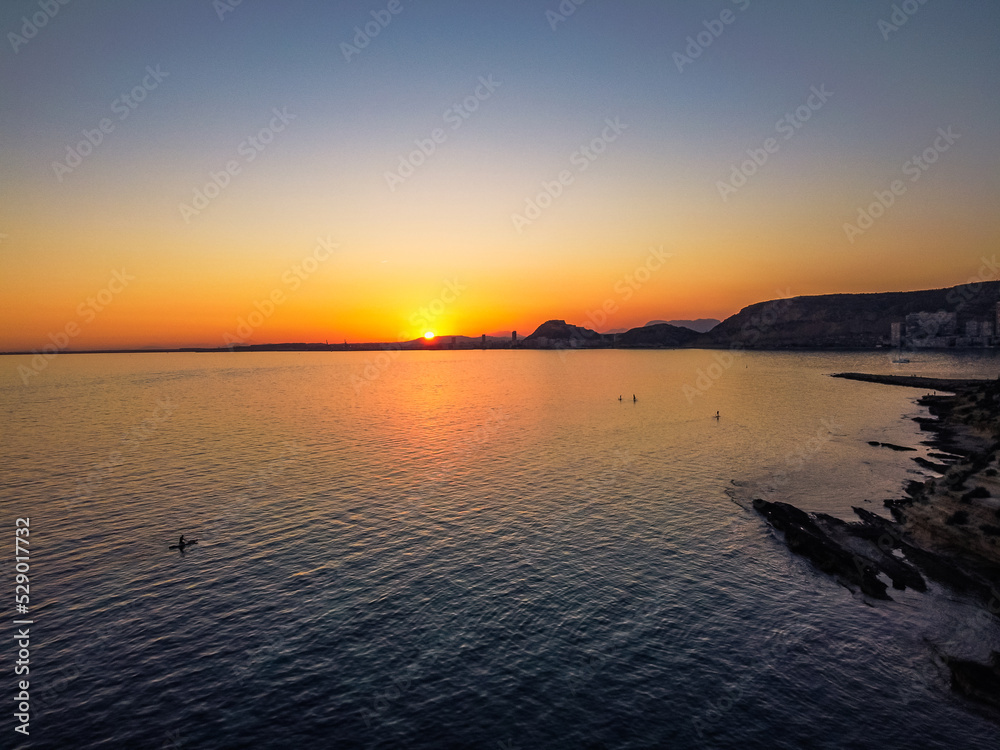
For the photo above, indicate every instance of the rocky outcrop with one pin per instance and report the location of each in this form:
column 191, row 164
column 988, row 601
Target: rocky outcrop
column 658, row 335
column 952, row 385
column 559, row 334
column 846, row 320
column 980, row 682
column 854, row 553
column 890, row 446
column 945, row 528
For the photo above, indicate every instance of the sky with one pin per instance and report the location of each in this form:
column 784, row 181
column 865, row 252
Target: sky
column 199, row 173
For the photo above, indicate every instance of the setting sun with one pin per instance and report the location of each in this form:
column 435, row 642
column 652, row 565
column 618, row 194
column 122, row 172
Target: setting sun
column 429, row 335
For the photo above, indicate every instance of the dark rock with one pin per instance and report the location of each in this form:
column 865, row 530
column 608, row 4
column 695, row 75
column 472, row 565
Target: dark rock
column 890, row 446
column 804, row 537
column 958, row 518
column 943, row 570
column 978, row 492
column 896, row 506
column 979, row 682
column 882, row 537
column 943, row 457
column 939, row 468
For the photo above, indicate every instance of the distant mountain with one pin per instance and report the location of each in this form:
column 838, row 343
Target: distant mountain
column 560, row 334
column 657, row 335
column 552, row 331
column 961, row 316
column 854, row 320
column 701, row 325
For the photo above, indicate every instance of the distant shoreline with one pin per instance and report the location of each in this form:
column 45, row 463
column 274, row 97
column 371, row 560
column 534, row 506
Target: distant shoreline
column 444, row 347
column 955, row 319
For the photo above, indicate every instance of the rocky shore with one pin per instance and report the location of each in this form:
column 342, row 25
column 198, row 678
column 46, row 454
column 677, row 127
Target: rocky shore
column 945, row 529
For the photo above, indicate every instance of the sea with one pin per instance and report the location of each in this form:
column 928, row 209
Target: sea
column 467, row 549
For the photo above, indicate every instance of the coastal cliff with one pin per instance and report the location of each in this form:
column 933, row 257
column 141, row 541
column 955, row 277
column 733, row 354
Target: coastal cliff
column 963, row 316
column 860, row 321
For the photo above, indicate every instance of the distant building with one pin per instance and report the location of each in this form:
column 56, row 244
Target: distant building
column 926, row 329
column 513, row 334
column 897, row 334
column 484, row 341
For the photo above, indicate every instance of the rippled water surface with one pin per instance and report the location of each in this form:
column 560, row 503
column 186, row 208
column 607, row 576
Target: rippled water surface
column 474, row 549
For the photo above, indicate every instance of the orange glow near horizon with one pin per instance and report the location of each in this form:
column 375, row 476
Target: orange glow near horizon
column 584, row 185
column 449, row 262
column 258, row 269
column 213, row 306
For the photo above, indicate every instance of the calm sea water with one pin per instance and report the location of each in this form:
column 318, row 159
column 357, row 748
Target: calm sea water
column 470, row 550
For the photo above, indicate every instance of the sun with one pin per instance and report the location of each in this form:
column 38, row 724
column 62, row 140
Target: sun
column 429, row 335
